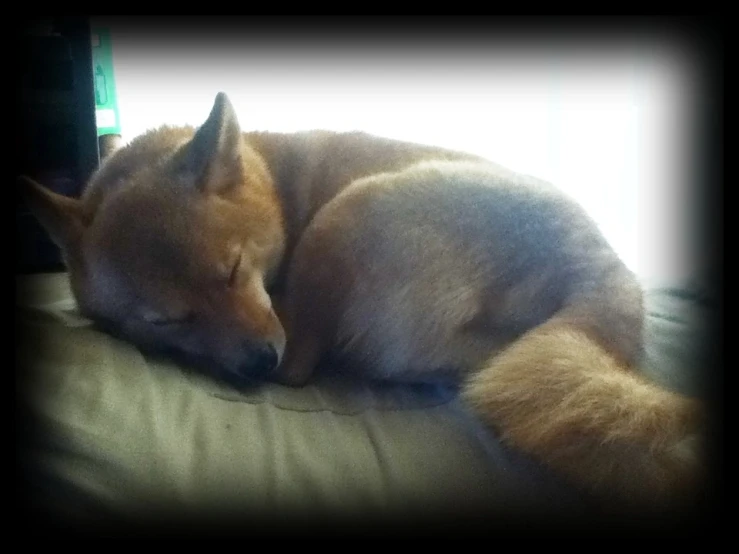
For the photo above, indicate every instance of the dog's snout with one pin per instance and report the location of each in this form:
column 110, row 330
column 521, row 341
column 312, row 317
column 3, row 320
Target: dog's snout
column 260, row 361
column 265, row 359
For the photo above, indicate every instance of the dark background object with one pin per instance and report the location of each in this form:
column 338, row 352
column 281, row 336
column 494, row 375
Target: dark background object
column 56, row 128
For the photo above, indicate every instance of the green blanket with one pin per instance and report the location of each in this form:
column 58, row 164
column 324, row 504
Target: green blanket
column 127, row 435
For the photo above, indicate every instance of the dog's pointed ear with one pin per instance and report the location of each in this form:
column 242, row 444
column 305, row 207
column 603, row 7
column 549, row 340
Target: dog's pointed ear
column 212, row 159
column 63, row 218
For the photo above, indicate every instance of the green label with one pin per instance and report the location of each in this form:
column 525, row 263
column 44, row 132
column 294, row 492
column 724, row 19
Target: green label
column 106, row 100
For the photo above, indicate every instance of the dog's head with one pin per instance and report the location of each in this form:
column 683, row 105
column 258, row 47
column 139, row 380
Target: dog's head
column 172, row 243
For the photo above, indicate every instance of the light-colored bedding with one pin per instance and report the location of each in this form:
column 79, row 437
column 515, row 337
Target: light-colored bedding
column 131, row 435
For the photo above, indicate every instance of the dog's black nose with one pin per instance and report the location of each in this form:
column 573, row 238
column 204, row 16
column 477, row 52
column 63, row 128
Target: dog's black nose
column 262, row 361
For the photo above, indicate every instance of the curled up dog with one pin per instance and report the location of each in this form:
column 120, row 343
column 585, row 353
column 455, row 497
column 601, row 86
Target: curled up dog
column 255, row 255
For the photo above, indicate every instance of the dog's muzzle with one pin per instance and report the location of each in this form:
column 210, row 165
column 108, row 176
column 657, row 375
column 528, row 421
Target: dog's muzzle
column 260, row 362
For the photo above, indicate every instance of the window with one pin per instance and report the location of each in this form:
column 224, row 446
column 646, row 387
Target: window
column 608, row 125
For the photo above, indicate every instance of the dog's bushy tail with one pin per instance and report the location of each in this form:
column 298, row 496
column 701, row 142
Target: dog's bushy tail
column 567, row 392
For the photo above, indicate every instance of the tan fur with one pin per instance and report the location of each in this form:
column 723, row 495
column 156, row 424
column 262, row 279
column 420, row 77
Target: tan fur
column 410, row 262
column 557, row 395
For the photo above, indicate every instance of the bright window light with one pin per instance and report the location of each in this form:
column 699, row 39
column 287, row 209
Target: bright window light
column 608, row 127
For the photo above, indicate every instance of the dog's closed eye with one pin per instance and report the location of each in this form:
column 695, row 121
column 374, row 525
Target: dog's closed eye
column 234, row 274
column 161, row 320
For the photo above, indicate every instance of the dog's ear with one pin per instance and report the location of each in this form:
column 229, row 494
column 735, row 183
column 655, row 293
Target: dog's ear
column 212, row 159
column 63, row 218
